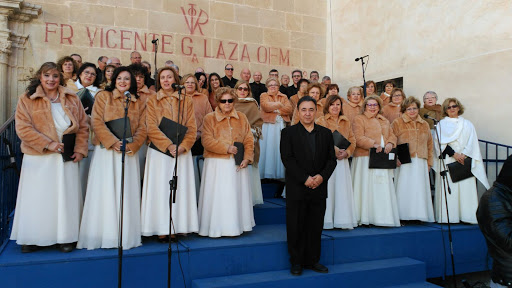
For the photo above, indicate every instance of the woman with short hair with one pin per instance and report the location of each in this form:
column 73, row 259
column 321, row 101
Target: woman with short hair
column 275, row 112
column 414, row 201
column 393, row 110
column 101, row 217
column 225, row 201
column 352, row 107
column 385, row 96
column 374, row 191
column 340, row 208
column 459, row 141
column 160, row 166
column 49, row 203
column 69, row 68
column 332, row 89
column 249, row 106
column 371, row 88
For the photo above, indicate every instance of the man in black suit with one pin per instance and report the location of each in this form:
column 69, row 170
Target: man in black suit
column 307, row 152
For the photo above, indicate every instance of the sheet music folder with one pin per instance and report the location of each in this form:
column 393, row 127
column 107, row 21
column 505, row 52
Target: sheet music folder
column 170, row 128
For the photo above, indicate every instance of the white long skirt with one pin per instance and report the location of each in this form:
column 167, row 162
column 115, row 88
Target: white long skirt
column 101, row 217
column 257, row 193
column 340, row 209
column 84, row 165
column 270, row 165
column 225, row 201
column 49, row 204
column 155, row 195
column 462, row 203
column 374, row 194
column 413, row 193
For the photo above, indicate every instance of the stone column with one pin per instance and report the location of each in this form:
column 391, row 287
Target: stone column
column 5, row 52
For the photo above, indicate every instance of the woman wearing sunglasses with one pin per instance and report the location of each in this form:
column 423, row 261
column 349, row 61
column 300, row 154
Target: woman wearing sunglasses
column 374, row 191
column 225, row 200
column 248, row 105
column 459, row 141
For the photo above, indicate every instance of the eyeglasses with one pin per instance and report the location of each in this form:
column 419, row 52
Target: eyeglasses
column 230, row 69
column 90, row 74
column 224, row 101
column 372, row 105
column 243, row 89
column 410, row 109
column 272, row 85
column 397, row 95
column 453, row 106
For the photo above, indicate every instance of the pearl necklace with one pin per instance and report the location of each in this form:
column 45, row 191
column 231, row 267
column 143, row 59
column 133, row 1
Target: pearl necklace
column 56, row 98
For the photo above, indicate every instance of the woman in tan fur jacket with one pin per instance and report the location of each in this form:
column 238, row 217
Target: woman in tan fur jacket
column 100, row 220
column 49, row 203
column 415, row 203
column 160, row 166
column 374, row 192
column 225, row 200
column 340, row 210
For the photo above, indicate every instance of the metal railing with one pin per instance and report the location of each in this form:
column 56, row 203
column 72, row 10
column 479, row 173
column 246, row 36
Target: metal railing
column 10, row 160
column 494, row 155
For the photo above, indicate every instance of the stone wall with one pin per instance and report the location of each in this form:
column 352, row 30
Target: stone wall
column 455, row 48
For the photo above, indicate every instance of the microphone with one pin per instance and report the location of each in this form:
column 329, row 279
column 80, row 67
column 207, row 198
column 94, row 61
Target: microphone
column 128, row 95
column 426, row 116
column 361, row 58
column 154, row 41
column 177, row 86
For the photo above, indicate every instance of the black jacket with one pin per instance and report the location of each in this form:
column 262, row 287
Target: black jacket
column 494, row 216
column 298, row 160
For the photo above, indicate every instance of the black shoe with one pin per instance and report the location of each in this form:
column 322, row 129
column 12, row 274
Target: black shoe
column 317, row 267
column 66, row 248
column 163, row 239
column 296, row 269
column 29, row 248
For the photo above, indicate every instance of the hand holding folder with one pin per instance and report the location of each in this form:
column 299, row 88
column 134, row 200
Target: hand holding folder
column 239, row 156
column 172, row 130
column 340, row 141
column 86, row 99
column 382, row 160
column 69, row 146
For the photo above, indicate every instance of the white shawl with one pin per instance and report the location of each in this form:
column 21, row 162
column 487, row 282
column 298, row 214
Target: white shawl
column 460, row 134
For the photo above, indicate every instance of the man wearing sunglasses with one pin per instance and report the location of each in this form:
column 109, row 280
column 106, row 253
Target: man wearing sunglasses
column 229, row 80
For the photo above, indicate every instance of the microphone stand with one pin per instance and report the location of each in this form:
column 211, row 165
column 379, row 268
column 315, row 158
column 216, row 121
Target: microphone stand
column 446, row 186
column 173, row 187
column 364, row 79
column 155, row 43
column 123, row 153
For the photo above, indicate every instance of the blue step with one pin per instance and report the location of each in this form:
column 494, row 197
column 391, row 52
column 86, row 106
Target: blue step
column 378, row 273
column 269, row 189
column 414, row 285
column 269, row 213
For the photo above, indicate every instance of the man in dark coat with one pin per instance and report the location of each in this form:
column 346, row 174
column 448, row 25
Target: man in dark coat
column 494, row 216
column 307, row 152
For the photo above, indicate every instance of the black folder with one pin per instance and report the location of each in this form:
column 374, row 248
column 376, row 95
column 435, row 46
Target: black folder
column 173, row 130
column 86, row 99
column 69, row 146
column 117, row 126
column 239, row 156
column 403, row 154
column 381, row 160
column 459, row 172
column 340, row 141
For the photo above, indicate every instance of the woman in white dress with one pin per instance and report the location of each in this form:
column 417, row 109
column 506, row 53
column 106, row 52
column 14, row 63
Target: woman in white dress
column 49, row 203
column 340, row 209
column 87, row 79
column 160, row 167
column 225, row 201
column 276, row 111
column 412, row 182
column 101, row 217
column 374, row 191
column 249, row 106
column 458, row 141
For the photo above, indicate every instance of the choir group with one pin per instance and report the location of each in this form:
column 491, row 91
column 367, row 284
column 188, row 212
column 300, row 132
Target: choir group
column 70, row 187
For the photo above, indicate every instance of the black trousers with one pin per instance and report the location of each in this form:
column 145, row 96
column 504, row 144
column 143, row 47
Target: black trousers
column 304, row 225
